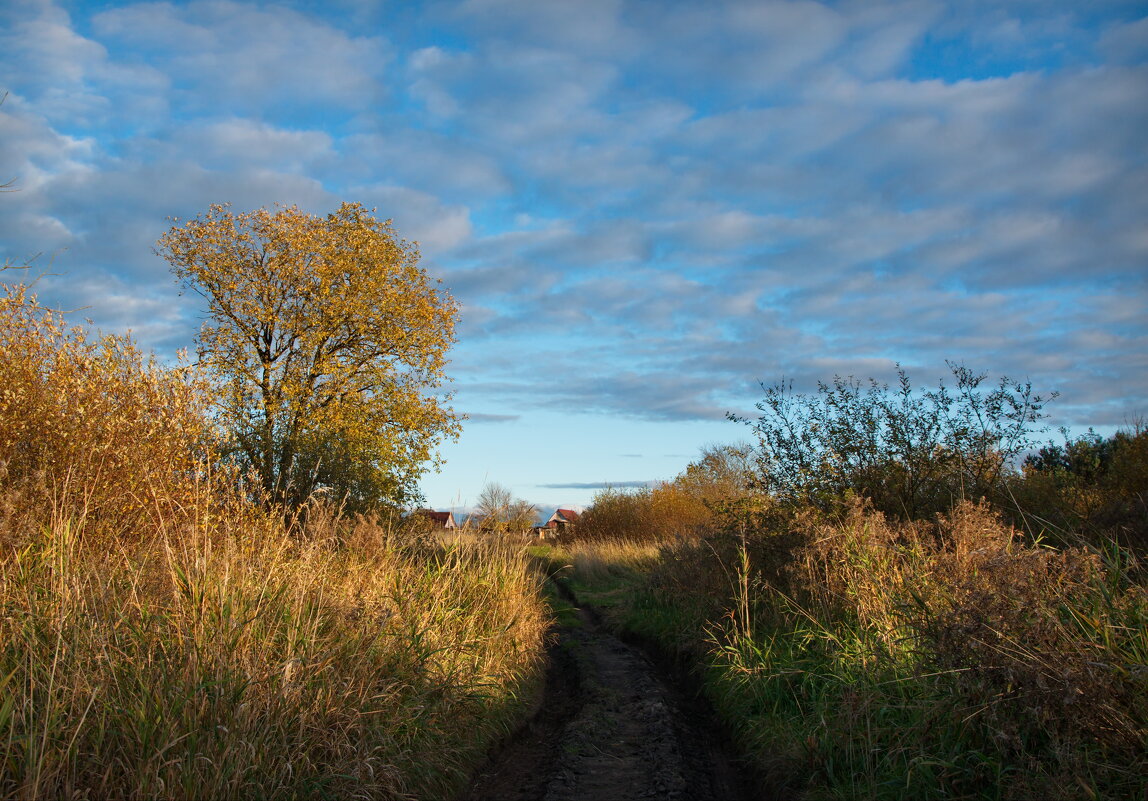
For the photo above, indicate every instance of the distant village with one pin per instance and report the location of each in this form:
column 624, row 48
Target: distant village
column 555, row 526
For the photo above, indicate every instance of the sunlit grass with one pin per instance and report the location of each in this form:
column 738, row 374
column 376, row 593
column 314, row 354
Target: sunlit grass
column 864, row 659
column 164, row 636
column 264, row 666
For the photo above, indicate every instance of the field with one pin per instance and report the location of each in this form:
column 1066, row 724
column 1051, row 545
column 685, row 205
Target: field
column 911, row 618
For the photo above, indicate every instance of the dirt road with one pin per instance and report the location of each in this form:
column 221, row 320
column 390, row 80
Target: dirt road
column 612, row 727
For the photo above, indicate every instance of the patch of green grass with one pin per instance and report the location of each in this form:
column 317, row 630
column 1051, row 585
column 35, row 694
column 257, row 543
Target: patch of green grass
column 605, row 575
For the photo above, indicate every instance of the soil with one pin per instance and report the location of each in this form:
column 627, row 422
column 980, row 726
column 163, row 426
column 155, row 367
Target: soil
column 613, row 726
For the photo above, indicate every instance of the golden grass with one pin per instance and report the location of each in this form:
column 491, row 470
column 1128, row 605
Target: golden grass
column 596, row 560
column 202, row 665
column 161, row 636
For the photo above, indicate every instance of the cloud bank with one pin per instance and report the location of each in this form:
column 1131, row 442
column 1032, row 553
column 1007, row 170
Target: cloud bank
column 644, row 209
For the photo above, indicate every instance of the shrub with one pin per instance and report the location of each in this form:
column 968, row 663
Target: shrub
column 91, row 427
column 1091, row 486
column 932, row 659
column 652, row 514
column 911, row 454
column 1043, row 640
column 711, row 492
column 617, row 514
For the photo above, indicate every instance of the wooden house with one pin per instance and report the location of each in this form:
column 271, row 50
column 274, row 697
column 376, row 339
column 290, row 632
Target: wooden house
column 561, row 520
column 444, row 520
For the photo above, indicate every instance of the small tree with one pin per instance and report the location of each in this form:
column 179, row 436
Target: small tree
column 912, row 454
column 327, row 342
column 499, row 511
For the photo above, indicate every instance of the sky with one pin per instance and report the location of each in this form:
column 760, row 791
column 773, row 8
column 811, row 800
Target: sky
column 645, row 208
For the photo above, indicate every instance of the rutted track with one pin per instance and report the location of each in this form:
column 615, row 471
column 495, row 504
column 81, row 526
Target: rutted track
column 611, row 726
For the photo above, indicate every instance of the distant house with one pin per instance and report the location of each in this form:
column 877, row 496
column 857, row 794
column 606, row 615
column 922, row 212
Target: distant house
column 562, row 519
column 439, row 519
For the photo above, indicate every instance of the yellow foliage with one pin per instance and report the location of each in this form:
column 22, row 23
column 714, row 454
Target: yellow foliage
column 327, row 341
column 90, row 427
column 161, row 636
column 712, row 493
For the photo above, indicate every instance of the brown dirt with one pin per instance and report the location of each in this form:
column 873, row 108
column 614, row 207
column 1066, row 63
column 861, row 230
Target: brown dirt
column 612, row 726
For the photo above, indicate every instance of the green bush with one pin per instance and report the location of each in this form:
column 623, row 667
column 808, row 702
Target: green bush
column 1091, row 488
column 911, row 454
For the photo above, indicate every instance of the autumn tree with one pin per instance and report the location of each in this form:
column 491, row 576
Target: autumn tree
column 498, row 509
column 327, row 342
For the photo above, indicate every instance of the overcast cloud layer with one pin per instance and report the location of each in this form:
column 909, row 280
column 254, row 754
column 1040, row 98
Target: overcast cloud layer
column 644, row 208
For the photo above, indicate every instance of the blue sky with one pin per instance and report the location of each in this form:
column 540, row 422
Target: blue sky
column 644, row 208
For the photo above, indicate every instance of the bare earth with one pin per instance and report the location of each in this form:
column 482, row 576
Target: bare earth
column 612, row 727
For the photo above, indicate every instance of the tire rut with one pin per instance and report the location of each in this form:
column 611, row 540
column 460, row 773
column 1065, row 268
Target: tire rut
column 611, row 726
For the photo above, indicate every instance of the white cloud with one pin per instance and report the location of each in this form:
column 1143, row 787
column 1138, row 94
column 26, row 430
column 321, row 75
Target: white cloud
column 427, row 159
column 1126, row 43
column 237, row 143
column 589, row 26
column 418, row 216
column 225, row 56
column 665, row 201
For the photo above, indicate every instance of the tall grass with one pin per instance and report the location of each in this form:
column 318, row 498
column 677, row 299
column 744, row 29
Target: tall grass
column 259, row 666
column 861, row 658
column 161, row 636
column 942, row 661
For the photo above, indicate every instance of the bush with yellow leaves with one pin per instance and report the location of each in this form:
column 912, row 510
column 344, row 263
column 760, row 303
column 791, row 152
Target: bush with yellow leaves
column 90, row 427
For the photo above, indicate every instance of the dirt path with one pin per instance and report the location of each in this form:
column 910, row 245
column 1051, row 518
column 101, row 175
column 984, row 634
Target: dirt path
column 611, row 727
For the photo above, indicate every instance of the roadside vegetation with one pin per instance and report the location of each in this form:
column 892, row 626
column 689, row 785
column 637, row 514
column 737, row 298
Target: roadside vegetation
column 208, row 589
column 179, row 619
column 883, row 598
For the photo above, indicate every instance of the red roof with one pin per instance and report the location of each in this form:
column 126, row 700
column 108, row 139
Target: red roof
column 444, row 519
column 562, row 516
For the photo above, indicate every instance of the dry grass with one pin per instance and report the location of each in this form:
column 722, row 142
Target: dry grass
column 861, row 658
column 598, row 560
column 1046, row 638
column 161, row 636
column 208, row 665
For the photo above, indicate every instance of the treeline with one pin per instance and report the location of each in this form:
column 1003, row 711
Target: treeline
column 697, row 503
column 907, row 454
column 893, row 593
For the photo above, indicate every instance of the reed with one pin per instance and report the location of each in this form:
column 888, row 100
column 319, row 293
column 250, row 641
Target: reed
column 262, row 665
